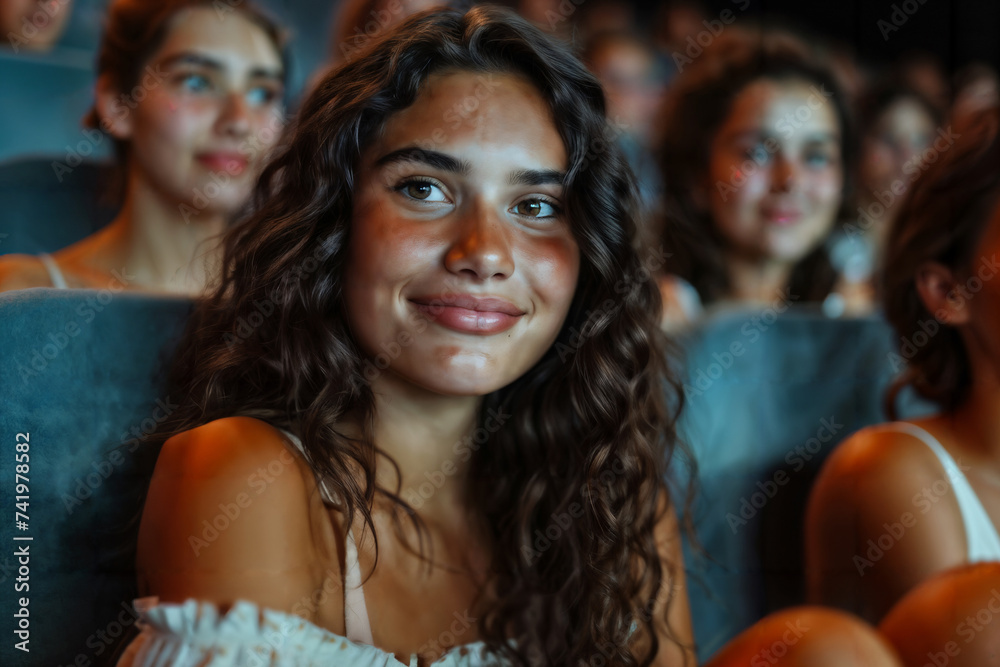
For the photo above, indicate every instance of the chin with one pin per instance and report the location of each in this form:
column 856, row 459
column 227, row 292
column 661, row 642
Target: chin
column 457, row 379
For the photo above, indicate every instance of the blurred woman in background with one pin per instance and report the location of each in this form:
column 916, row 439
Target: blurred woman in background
column 898, row 128
column 193, row 99
column 901, row 502
column 754, row 153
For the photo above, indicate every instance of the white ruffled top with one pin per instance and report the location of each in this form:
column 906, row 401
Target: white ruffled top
column 193, row 634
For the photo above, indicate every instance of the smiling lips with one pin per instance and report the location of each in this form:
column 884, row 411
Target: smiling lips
column 469, row 314
column 232, row 163
column 783, row 217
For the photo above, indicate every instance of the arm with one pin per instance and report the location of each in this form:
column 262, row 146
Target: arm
column 676, row 636
column 877, row 525
column 231, row 513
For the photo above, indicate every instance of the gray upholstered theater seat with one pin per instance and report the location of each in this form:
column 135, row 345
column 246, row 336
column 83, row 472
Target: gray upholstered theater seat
column 42, row 210
column 768, row 400
column 81, row 371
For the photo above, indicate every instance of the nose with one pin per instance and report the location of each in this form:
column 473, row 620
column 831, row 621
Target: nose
column 480, row 246
column 234, row 118
column 784, row 173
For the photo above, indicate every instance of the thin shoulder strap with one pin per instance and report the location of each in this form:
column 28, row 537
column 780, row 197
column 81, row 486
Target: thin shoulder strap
column 982, row 540
column 55, row 273
column 358, row 627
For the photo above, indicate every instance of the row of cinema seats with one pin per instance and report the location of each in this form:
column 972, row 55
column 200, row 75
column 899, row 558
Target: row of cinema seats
column 83, row 373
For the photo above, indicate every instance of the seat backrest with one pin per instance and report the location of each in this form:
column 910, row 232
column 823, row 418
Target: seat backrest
column 82, row 377
column 43, row 209
column 768, row 397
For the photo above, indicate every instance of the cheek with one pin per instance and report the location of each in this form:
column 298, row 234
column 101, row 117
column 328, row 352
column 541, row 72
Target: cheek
column 267, row 127
column 552, row 267
column 734, row 207
column 826, row 189
column 175, row 119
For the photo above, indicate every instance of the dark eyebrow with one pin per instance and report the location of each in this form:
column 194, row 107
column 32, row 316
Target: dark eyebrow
column 202, row 60
column 537, row 177
column 434, row 159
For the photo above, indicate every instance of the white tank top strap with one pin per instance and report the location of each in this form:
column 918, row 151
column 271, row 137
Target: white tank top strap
column 357, row 625
column 55, row 273
column 982, row 540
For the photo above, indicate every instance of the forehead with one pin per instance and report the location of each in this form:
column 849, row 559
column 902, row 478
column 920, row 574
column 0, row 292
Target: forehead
column 228, row 36
column 778, row 106
column 456, row 110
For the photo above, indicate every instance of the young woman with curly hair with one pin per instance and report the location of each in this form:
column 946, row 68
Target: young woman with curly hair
column 426, row 412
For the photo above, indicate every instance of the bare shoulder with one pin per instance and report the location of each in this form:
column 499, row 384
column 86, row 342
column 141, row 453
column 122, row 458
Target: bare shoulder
column 21, row 272
column 881, row 518
column 880, row 460
column 233, row 513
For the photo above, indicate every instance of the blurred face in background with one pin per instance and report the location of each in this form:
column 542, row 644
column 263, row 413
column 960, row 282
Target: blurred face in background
column 33, row 24
column 902, row 132
column 204, row 114
column 775, row 178
column 626, row 70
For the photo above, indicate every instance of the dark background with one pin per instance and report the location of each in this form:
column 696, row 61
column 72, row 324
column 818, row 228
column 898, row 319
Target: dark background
column 956, row 31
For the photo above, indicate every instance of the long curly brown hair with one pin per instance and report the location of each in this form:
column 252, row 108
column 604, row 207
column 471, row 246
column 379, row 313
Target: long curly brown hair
column 592, row 423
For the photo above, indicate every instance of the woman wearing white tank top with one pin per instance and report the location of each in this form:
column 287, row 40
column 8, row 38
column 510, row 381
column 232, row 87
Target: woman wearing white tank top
column 900, row 503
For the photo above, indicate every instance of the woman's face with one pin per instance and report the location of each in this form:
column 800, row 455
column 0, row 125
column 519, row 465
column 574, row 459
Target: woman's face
column 462, row 265
column 902, row 132
column 775, row 180
column 204, row 113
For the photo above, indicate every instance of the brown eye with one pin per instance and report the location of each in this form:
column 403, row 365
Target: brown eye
column 418, row 190
column 531, row 208
column 421, row 190
column 536, row 208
